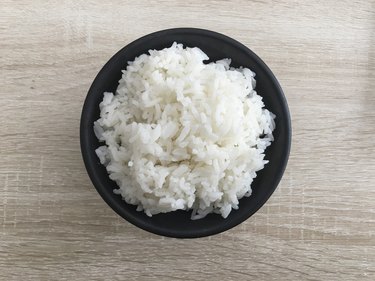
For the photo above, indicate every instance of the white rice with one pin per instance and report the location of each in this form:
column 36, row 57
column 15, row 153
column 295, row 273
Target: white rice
column 181, row 134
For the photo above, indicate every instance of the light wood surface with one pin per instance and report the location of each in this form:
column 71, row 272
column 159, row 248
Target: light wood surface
column 318, row 225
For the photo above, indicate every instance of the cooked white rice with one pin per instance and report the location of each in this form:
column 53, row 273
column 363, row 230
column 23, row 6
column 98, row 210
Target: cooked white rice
column 181, row 134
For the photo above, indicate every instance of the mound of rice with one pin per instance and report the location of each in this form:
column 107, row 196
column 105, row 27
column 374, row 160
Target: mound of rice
column 181, row 134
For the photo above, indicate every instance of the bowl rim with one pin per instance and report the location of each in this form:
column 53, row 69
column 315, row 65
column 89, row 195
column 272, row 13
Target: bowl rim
column 87, row 159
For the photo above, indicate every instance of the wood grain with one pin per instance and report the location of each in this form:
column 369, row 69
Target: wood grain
column 320, row 223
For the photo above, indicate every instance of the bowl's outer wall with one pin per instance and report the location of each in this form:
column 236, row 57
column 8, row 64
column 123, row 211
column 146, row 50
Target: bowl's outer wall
column 216, row 46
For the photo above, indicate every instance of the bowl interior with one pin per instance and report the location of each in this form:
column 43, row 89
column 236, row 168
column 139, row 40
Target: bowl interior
column 216, row 46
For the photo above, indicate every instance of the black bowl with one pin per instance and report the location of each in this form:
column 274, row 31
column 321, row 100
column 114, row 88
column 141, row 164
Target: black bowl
column 216, row 46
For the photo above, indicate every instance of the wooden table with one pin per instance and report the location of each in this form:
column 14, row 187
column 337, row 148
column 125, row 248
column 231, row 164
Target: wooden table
column 318, row 225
